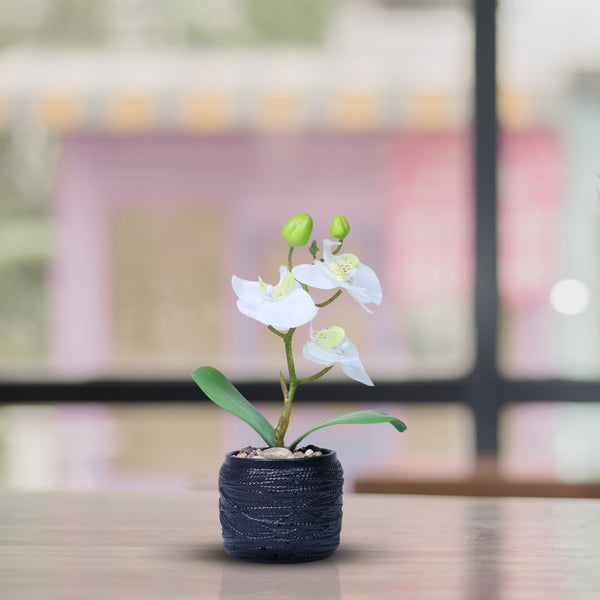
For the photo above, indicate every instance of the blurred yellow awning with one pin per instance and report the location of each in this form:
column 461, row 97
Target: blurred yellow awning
column 134, row 92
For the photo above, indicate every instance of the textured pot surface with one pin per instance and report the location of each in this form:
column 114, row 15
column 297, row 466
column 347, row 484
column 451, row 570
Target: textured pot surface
column 281, row 511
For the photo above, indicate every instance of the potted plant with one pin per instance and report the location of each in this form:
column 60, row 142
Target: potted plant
column 283, row 502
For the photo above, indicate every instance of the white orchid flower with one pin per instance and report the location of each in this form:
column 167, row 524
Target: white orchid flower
column 331, row 345
column 345, row 271
column 283, row 306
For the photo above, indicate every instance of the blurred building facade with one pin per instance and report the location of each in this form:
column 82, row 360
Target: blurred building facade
column 149, row 150
column 208, row 143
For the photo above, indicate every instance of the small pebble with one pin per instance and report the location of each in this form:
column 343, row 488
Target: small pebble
column 275, row 453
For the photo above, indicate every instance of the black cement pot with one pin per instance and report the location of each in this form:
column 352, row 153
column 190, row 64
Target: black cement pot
column 281, row 511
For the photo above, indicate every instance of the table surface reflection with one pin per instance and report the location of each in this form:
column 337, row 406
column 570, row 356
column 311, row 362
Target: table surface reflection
column 130, row 545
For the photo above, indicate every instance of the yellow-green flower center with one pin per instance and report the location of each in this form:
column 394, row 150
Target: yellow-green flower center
column 262, row 285
column 330, row 337
column 342, row 266
column 281, row 289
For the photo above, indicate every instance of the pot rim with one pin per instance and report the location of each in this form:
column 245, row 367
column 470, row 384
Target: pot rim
column 329, row 457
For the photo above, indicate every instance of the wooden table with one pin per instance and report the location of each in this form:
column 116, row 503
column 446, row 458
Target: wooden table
column 139, row 546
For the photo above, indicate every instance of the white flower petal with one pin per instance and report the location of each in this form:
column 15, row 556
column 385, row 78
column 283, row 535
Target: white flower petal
column 249, row 290
column 363, row 284
column 328, row 246
column 314, row 353
column 365, row 287
column 250, row 310
column 366, row 279
column 316, row 275
column 349, row 359
column 356, row 371
column 350, row 351
column 292, row 310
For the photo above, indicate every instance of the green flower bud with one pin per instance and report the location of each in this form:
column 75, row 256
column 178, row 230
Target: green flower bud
column 339, row 227
column 296, row 231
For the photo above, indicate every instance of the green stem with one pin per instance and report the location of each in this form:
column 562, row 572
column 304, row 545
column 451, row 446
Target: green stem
column 287, row 340
column 284, row 419
column 277, row 332
column 326, row 302
column 316, row 376
column 338, row 248
column 290, row 391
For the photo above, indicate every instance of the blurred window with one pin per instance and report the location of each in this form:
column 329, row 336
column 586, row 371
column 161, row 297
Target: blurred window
column 149, row 150
column 549, row 160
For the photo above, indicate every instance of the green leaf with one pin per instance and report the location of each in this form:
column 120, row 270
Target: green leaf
column 222, row 392
column 360, row 417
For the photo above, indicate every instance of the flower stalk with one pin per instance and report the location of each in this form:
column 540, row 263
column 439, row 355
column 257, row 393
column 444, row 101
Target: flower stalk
column 330, row 300
column 287, row 305
column 290, row 391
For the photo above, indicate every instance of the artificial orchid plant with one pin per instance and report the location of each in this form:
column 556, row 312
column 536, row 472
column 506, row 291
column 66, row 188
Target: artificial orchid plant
column 288, row 305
